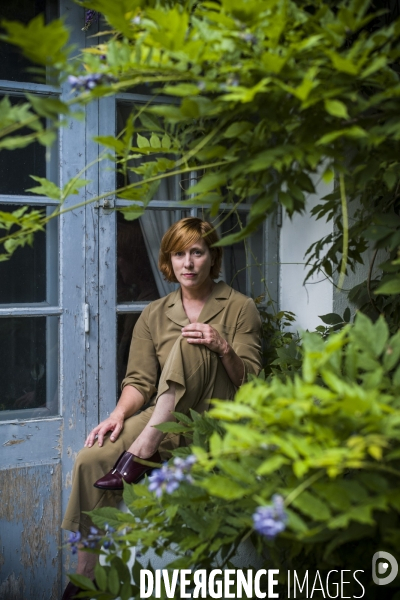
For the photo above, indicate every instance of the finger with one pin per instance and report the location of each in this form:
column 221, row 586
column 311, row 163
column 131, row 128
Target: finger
column 194, row 327
column 90, row 438
column 101, row 434
column 116, row 432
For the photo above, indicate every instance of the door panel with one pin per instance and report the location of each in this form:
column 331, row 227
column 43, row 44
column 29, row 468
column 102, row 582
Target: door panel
column 31, row 497
column 42, row 349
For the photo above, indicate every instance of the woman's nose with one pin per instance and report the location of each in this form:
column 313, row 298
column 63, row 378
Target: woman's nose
column 188, row 260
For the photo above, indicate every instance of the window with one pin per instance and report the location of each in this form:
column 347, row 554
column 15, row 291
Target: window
column 29, row 312
column 138, row 279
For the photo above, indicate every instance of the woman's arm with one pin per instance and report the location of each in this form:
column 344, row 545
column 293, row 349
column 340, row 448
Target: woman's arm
column 241, row 358
column 130, row 401
column 206, row 335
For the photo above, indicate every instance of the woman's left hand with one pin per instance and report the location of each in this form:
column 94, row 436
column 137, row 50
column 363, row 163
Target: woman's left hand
column 200, row 333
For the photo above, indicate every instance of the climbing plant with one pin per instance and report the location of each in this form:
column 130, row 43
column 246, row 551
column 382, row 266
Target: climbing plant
column 270, row 97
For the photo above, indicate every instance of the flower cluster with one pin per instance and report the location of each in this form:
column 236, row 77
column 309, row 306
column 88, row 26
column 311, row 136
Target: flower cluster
column 168, row 478
column 73, row 540
column 90, row 16
column 90, row 81
column 92, row 540
column 270, row 520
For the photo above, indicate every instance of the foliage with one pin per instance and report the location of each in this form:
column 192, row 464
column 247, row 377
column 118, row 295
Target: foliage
column 269, row 96
column 327, row 441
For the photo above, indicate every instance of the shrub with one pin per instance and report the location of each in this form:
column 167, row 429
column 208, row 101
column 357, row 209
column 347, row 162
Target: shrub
column 326, row 441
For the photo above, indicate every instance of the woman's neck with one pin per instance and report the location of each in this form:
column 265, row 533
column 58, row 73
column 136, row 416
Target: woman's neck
column 198, row 295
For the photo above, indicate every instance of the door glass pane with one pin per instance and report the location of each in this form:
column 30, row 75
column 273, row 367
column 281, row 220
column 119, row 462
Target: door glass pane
column 138, row 244
column 126, row 323
column 13, row 66
column 29, row 366
column 16, row 166
column 234, row 259
column 243, row 262
column 135, row 278
column 30, row 275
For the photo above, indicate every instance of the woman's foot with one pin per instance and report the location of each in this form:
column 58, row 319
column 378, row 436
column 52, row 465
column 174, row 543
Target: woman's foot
column 126, row 469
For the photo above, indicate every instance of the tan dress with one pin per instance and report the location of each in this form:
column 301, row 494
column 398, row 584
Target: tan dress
column 158, row 355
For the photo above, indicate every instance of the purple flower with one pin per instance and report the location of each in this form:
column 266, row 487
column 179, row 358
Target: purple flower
column 249, row 37
column 90, row 16
column 168, row 478
column 74, row 538
column 90, row 81
column 270, row 520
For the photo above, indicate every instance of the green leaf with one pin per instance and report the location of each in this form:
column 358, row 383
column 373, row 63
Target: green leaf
column 381, row 335
column 271, row 464
column 166, row 141
column 155, row 141
column 223, row 487
column 392, row 286
column 41, row 43
column 352, row 132
column 347, row 315
column 101, row 577
column 208, row 182
column 47, row 188
column 331, row 319
column 336, row 109
column 171, row 427
column 81, row 581
column 50, row 108
column 392, row 354
column 312, row 506
column 142, row 141
column 237, row 129
column 113, row 581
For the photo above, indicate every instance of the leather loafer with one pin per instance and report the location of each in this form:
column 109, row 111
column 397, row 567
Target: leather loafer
column 126, row 468
column 70, row 591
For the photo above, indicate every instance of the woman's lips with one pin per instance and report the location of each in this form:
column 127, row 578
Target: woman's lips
column 189, row 275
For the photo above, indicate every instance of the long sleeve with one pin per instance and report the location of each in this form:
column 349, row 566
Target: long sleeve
column 246, row 341
column 142, row 369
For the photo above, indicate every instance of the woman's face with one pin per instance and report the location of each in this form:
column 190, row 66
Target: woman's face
column 192, row 266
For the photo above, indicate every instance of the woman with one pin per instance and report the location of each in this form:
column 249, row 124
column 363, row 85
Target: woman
column 197, row 343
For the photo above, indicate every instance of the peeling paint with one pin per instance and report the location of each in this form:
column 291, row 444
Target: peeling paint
column 12, row 442
column 30, row 511
column 68, row 479
column 13, row 588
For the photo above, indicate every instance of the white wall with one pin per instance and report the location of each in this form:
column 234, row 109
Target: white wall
column 297, row 234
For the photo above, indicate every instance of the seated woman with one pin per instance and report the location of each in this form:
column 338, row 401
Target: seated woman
column 197, row 343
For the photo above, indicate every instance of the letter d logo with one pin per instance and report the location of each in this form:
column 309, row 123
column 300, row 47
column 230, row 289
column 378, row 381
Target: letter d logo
column 383, row 568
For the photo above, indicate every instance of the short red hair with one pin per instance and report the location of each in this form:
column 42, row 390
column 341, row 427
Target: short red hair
column 182, row 234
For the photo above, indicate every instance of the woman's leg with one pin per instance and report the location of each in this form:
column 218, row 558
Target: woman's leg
column 92, row 463
column 149, row 440
column 191, row 376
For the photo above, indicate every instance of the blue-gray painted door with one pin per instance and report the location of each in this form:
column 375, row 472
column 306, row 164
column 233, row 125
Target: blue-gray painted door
column 44, row 349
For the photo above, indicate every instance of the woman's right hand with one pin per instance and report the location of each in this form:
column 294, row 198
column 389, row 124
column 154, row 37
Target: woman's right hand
column 114, row 423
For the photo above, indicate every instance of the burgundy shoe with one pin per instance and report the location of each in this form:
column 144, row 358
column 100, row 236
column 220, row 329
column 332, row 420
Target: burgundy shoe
column 70, row 591
column 126, row 468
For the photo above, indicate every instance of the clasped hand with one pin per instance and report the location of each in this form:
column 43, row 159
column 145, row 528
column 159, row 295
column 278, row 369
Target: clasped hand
column 200, row 333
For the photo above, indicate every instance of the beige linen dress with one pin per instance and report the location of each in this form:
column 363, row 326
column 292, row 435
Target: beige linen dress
column 158, row 355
